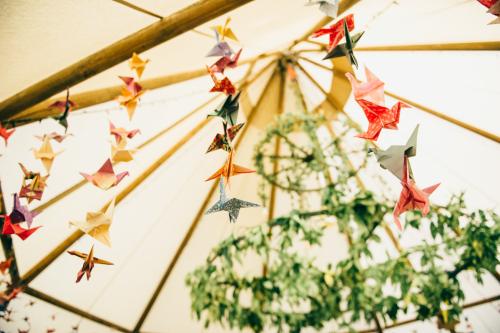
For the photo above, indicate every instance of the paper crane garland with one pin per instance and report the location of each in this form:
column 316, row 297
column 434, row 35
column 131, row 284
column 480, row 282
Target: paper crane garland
column 226, row 61
column 228, row 110
column 393, row 157
column 223, row 141
column 137, row 64
column 33, row 184
column 411, row 197
column 120, row 133
column 130, row 95
column 88, row 263
column 229, row 169
column 372, row 90
column 65, row 107
column 346, row 49
column 97, row 224
column 225, row 85
column 46, row 154
column 232, row 206
column 105, row 177
column 336, row 31
column 220, row 49
column 379, row 117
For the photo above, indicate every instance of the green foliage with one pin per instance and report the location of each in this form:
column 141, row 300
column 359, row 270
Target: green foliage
column 293, row 292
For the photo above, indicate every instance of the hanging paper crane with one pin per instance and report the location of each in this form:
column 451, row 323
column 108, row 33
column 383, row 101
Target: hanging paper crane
column 5, row 133
column 105, row 177
column 88, row 263
column 65, row 107
column 137, row 64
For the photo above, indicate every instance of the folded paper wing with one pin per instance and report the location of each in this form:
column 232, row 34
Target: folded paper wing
column 15, row 229
column 5, row 134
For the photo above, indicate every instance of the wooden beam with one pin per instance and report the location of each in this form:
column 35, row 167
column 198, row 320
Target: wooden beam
column 344, row 5
column 196, row 220
column 98, row 96
column 464, row 125
column 70, row 308
column 140, row 41
column 7, row 244
column 463, row 46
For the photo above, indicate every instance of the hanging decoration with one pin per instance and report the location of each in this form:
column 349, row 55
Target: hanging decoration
column 97, row 224
column 46, row 154
column 105, row 177
column 65, row 107
column 6, row 133
column 336, row 31
column 346, row 49
column 493, row 8
column 88, row 263
column 59, row 138
column 33, row 184
column 120, row 133
column 328, row 7
column 137, row 64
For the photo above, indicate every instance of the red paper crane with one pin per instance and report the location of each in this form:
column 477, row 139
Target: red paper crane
column 224, row 85
column 379, row 117
column 411, row 197
column 227, row 61
column 5, row 133
column 11, row 229
column 336, row 31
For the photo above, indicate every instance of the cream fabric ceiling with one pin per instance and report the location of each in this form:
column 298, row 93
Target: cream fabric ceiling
column 39, row 38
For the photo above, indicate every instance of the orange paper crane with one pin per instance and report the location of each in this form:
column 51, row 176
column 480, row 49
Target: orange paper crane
column 225, row 85
column 130, row 95
column 411, row 196
column 105, row 177
column 336, row 31
column 137, row 64
column 5, row 265
column 88, row 264
column 229, row 169
column 5, row 133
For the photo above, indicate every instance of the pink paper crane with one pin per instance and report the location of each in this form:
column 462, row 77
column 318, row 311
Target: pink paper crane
column 105, row 177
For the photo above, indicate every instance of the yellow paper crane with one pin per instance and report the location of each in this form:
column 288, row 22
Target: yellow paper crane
column 46, row 154
column 129, row 100
column 137, row 64
column 97, row 224
column 119, row 153
column 225, row 31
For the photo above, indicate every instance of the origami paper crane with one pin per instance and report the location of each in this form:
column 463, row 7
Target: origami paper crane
column 65, row 107
column 10, row 229
column 5, row 265
column 46, row 154
column 346, row 49
column 5, row 133
column 53, row 136
column 228, row 110
column 225, row 85
column 224, row 31
column 5, row 298
column 379, row 117
column 97, row 224
column 130, row 95
column 137, row 64
column 232, row 206
column 120, row 154
column 411, row 197
column 336, row 31
column 393, row 157
column 105, row 177
column 493, row 8
column 221, row 141
column 372, row 90
column 21, row 213
column 221, row 48
column 121, row 133
column 328, row 7
column 226, row 61
column 229, row 169
column 88, row 264
column 33, row 184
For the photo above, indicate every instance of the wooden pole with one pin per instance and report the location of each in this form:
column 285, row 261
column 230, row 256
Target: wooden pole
column 7, row 244
column 140, row 41
column 70, row 308
column 98, row 96
column 196, row 220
